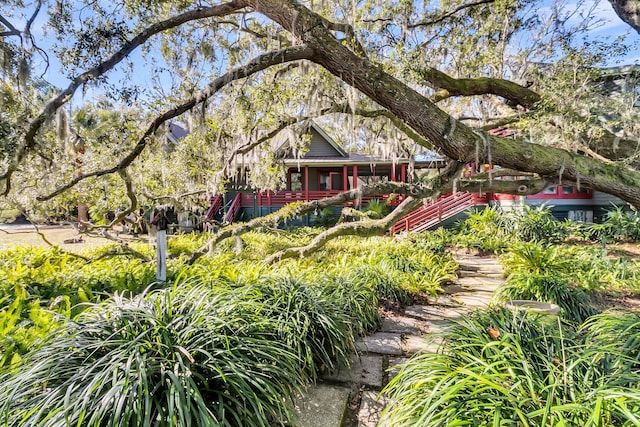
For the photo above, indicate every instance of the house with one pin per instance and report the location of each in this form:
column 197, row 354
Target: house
column 324, row 170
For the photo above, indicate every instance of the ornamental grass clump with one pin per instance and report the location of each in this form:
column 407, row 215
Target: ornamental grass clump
column 544, row 273
column 501, row 368
column 185, row 356
column 318, row 321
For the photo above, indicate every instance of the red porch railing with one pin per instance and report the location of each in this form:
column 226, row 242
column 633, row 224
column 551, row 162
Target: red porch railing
column 281, row 198
column 233, row 209
column 214, row 207
column 443, row 208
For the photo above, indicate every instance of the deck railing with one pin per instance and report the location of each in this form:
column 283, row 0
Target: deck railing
column 281, row 198
column 441, row 209
column 214, row 208
column 233, row 209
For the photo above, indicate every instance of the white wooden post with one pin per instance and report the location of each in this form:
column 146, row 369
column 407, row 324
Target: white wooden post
column 161, row 255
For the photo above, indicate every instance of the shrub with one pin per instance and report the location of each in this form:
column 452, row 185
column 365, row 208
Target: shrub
column 539, row 224
column 576, row 304
column 185, row 356
column 544, row 273
column 619, row 224
column 502, row 368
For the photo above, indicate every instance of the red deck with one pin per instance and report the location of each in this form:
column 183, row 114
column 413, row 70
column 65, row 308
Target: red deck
column 281, row 198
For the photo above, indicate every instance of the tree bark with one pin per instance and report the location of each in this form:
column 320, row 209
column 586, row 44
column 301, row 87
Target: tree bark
column 628, row 11
column 454, row 139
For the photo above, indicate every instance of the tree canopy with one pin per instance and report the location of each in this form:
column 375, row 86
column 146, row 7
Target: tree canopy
column 383, row 76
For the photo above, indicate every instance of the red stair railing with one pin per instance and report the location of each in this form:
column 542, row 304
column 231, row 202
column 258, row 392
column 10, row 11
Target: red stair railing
column 443, row 208
column 233, row 209
column 214, row 207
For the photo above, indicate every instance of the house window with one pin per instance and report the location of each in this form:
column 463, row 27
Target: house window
column 325, row 181
column 563, row 192
column 330, row 180
column 296, row 181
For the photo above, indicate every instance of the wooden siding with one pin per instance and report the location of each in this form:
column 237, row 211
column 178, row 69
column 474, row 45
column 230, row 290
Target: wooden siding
column 320, row 147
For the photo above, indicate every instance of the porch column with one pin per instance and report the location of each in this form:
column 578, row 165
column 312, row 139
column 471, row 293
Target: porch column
column 403, row 173
column 306, row 183
column 355, row 176
column 393, row 172
column 345, row 180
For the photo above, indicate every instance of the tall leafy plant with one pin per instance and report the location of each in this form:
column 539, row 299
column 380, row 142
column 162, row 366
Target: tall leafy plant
column 185, row 356
column 501, row 368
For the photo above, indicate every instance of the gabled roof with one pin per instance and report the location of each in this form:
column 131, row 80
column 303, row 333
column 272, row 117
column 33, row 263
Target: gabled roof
column 325, row 144
column 330, row 140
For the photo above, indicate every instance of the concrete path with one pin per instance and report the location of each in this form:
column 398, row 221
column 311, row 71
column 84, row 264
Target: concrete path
column 348, row 397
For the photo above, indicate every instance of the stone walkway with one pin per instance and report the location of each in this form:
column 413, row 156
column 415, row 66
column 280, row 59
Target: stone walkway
column 348, row 397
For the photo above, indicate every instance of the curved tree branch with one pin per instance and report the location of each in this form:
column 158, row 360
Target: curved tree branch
column 445, row 182
column 454, row 139
column 450, row 13
column 359, row 228
column 255, row 65
column 63, row 97
column 628, row 11
column 449, row 86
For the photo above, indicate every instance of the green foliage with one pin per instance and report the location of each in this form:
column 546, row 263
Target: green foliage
column 544, row 273
column 503, row 368
column 184, row 356
column 37, row 285
column 493, row 229
column 485, row 230
column 576, row 304
column 537, row 223
column 619, row 224
column 376, row 209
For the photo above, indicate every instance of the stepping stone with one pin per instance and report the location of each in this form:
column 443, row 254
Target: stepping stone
column 467, row 273
column 321, row 406
column 475, row 299
column 442, row 300
column 414, row 344
column 395, row 364
column 438, row 326
column 454, row 288
column 430, row 312
column 364, row 370
column 403, row 325
column 370, row 408
column 381, row 343
column 425, row 312
column 477, row 282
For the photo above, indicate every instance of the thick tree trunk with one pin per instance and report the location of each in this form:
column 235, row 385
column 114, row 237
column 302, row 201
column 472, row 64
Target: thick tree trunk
column 454, row 139
column 628, row 11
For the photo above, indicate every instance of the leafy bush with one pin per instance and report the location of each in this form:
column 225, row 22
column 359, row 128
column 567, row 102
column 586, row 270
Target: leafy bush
column 503, row 368
column 185, row 356
column 37, row 284
column 576, row 304
column 485, row 230
column 318, row 321
column 619, row 224
column 539, row 224
column 544, row 273
column 536, row 258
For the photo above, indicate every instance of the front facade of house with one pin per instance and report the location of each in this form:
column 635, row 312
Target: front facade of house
column 326, row 170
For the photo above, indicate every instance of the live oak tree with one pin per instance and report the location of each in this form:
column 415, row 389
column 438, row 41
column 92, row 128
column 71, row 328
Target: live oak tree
column 385, row 77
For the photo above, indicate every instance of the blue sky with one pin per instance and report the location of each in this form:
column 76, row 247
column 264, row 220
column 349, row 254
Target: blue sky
column 612, row 27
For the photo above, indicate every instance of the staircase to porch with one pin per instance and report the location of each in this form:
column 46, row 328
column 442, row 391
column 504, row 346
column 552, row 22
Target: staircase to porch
column 438, row 211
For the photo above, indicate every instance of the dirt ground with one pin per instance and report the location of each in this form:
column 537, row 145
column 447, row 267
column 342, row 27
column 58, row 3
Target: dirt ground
column 27, row 235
